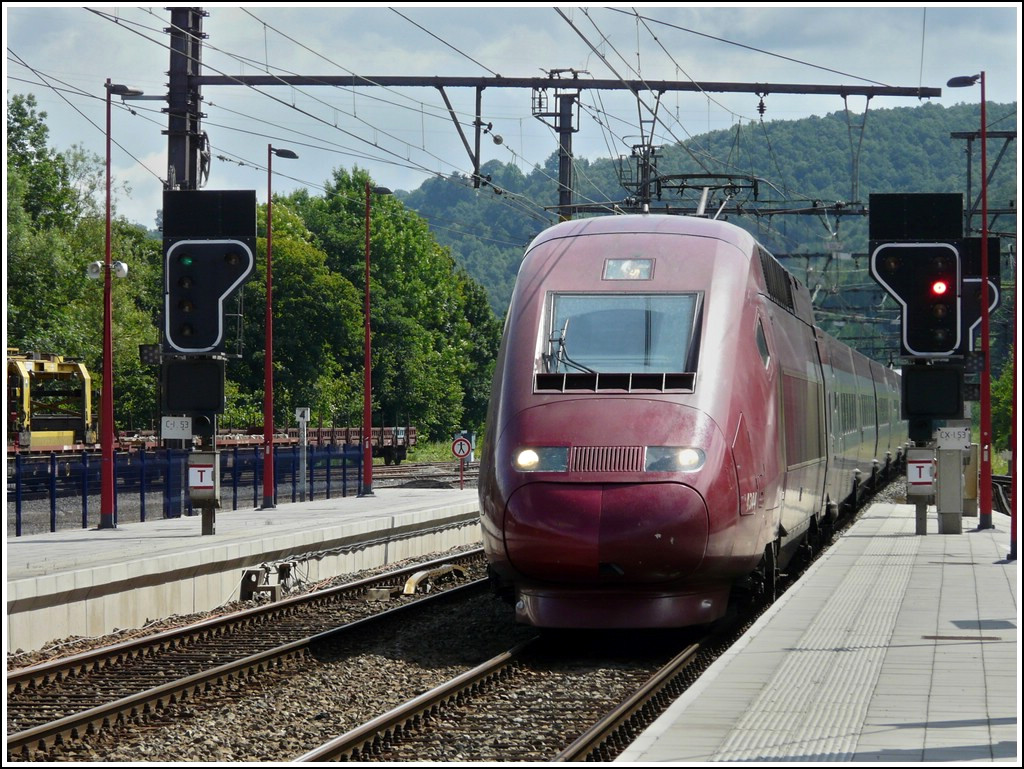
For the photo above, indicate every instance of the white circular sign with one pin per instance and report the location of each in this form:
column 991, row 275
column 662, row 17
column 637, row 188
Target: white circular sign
column 461, row 447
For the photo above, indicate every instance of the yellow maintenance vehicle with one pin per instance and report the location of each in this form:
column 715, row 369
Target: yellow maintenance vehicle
column 49, row 403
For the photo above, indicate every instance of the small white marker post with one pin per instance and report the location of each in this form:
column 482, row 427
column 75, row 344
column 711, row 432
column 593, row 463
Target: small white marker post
column 921, row 483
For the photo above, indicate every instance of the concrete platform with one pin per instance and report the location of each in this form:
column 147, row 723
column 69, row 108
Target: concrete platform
column 894, row 647
column 88, row 582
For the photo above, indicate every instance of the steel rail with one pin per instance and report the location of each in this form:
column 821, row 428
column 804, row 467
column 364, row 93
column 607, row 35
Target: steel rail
column 142, row 703
column 1001, row 485
column 622, row 716
column 57, row 670
column 374, row 733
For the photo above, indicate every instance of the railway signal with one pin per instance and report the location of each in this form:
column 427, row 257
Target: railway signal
column 929, row 392
column 972, row 293
column 209, row 242
column 925, row 279
column 199, row 276
column 193, row 386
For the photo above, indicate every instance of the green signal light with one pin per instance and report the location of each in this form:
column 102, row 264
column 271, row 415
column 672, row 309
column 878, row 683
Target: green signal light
column 185, row 260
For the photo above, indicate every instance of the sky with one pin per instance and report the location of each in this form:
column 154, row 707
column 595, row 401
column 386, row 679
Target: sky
column 64, row 55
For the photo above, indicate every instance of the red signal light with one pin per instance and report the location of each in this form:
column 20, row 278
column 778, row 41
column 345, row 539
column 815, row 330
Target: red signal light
column 939, row 287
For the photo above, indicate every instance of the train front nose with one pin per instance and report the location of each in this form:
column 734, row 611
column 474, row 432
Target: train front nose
column 606, row 533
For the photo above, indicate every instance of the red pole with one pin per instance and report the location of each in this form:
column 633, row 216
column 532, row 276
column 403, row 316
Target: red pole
column 1012, row 555
column 985, row 492
column 107, row 410
column 367, row 382
column 268, row 362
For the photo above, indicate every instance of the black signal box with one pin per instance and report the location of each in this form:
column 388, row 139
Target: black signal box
column 921, row 216
column 193, row 386
column 929, row 393
column 916, row 241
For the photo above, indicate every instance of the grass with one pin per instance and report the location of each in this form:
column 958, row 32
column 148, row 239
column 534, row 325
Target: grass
column 440, row 451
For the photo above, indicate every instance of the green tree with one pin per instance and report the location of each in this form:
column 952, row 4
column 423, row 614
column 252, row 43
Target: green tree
column 421, row 337
column 480, row 336
column 55, row 229
column 44, row 283
column 1002, row 406
column 48, row 197
column 315, row 323
column 243, row 410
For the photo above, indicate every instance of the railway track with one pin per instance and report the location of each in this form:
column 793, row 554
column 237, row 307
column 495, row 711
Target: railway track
column 564, row 698
column 574, row 712
column 426, row 473
column 560, row 690
column 53, row 703
column 561, row 696
column 585, row 710
column 1002, row 489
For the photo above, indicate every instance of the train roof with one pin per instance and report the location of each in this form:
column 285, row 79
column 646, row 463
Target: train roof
column 781, row 286
column 646, row 224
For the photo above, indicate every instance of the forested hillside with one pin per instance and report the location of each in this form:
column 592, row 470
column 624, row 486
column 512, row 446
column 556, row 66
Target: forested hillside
column 445, row 258
column 836, row 159
column 899, row 150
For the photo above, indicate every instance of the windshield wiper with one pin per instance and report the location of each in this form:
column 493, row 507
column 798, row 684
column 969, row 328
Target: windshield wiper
column 555, row 359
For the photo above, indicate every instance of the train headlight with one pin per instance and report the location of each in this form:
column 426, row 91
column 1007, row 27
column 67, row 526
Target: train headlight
column 673, row 459
column 552, row 459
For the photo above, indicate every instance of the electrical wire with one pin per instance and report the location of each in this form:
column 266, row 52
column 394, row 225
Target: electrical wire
column 408, row 163
column 284, row 103
column 101, row 129
column 608, row 64
column 757, row 50
column 441, row 40
column 640, row 101
column 430, row 172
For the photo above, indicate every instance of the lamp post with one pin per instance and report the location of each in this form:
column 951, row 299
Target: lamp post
column 107, row 410
column 268, row 356
column 367, row 382
column 985, row 481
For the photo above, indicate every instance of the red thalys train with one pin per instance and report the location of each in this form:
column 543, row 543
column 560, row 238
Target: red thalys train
column 666, row 423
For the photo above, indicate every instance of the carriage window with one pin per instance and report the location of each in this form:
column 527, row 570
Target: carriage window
column 622, row 333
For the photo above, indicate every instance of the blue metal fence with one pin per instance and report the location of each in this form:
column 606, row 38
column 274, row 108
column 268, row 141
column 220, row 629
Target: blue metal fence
column 148, row 481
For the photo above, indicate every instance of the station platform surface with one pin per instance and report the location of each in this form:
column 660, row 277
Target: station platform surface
column 87, row 582
column 893, row 647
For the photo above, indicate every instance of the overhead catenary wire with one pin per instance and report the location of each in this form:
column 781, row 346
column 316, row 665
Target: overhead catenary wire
column 396, row 158
column 373, row 152
column 616, row 73
column 442, row 40
column 655, row 118
column 227, row 156
column 518, row 202
column 284, row 103
column 757, row 50
column 411, row 164
column 435, row 112
column 377, row 146
column 58, row 92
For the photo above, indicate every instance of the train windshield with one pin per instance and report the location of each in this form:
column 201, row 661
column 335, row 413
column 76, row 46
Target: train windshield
column 620, row 333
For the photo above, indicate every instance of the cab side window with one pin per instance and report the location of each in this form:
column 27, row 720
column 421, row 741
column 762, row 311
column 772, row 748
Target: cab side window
column 762, row 344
